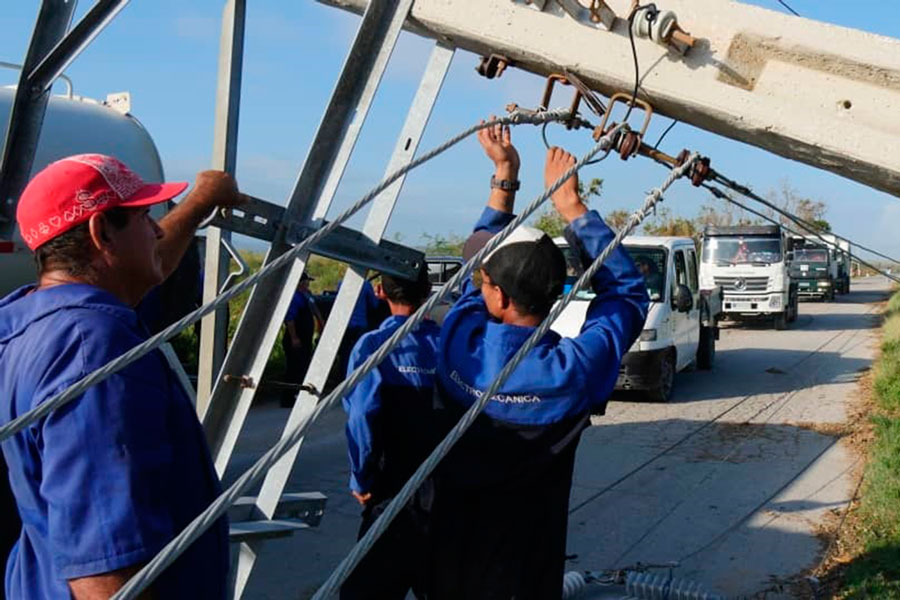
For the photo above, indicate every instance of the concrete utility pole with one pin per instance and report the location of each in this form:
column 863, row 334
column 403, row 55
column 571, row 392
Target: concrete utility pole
column 821, row 94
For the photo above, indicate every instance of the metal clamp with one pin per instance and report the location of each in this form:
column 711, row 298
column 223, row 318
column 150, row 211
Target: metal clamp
column 629, row 141
column 700, row 170
column 492, row 66
column 572, row 122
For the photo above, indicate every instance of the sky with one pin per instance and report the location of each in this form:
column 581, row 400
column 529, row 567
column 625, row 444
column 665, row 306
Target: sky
column 164, row 52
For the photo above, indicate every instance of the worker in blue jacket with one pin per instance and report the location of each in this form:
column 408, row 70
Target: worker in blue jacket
column 104, row 482
column 389, row 434
column 501, row 498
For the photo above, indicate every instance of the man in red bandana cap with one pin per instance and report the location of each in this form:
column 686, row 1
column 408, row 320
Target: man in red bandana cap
column 104, row 482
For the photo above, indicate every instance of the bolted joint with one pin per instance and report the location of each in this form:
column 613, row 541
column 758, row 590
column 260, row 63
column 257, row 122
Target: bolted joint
column 492, row 66
column 244, row 381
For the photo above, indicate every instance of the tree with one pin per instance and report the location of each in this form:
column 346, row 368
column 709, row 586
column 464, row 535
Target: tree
column 617, row 218
column 664, row 223
column 440, row 245
column 790, row 200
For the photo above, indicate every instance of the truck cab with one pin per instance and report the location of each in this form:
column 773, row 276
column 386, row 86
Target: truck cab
column 749, row 263
column 813, row 268
column 681, row 326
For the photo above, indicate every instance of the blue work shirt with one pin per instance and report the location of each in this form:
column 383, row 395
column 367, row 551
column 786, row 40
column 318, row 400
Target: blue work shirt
column 388, row 425
column 502, row 492
column 300, row 311
column 561, row 377
column 105, row 481
column 365, row 307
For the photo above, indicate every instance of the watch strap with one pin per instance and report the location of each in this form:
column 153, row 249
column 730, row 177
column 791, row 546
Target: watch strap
column 507, row 185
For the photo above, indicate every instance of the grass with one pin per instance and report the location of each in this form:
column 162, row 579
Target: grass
column 327, row 274
column 875, row 571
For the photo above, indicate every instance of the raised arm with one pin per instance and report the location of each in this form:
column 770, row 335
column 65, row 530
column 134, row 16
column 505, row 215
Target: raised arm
column 616, row 315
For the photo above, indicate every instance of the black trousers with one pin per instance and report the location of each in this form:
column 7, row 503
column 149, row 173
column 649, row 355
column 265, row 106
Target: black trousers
column 10, row 526
column 397, row 563
column 296, row 364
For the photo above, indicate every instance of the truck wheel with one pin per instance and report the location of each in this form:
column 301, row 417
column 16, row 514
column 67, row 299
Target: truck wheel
column 706, row 350
column 780, row 321
column 793, row 309
column 663, row 391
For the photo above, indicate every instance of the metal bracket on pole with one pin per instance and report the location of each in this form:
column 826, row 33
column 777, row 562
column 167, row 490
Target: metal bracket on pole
column 327, row 348
column 214, row 327
column 261, row 219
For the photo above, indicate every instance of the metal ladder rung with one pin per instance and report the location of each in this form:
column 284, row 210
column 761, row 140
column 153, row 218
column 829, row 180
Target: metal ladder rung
column 308, row 507
column 248, row 531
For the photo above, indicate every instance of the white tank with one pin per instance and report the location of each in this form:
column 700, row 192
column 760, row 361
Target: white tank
column 75, row 126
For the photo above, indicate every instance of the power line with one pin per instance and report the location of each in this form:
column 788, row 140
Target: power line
column 797, row 220
column 785, row 4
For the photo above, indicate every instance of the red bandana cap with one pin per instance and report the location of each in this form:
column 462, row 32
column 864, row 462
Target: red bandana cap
column 66, row 193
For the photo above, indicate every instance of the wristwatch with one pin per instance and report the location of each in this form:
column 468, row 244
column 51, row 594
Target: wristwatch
column 505, row 184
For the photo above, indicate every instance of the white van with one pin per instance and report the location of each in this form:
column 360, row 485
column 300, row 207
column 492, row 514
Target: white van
column 681, row 327
column 76, row 125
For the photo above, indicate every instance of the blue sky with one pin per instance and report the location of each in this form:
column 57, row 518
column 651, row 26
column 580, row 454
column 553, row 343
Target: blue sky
column 164, row 52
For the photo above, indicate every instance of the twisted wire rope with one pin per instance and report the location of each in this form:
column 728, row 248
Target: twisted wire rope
column 76, row 389
column 255, row 473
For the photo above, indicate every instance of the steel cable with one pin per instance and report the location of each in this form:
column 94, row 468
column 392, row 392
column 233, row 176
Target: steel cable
column 746, row 191
column 251, row 476
column 350, row 562
column 803, row 224
column 78, row 388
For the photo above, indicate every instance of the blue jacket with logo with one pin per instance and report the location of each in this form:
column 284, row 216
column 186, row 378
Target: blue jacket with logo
column 389, row 425
column 502, row 493
column 105, row 481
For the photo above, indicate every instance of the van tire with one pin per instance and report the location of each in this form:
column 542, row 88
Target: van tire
column 706, row 349
column 663, row 391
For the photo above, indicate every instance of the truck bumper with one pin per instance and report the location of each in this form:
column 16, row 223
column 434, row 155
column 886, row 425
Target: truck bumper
column 754, row 304
column 810, row 288
column 640, row 370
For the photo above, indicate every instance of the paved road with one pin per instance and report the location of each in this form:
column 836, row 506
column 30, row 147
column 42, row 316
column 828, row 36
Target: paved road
column 733, row 479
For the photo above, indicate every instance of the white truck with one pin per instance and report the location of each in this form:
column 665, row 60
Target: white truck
column 682, row 324
column 76, row 125
column 749, row 263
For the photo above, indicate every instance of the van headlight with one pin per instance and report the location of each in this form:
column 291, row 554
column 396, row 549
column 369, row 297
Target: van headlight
column 648, row 335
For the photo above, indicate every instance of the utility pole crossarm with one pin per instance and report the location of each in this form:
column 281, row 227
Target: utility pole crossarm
column 821, row 94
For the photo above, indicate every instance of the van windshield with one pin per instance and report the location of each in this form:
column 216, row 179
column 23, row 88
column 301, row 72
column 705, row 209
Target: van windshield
column 651, row 262
column 741, row 250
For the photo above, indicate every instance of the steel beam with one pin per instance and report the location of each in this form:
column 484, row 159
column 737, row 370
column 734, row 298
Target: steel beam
column 821, row 94
column 79, row 38
column 310, row 199
column 214, row 327
column 326, row 351
column 27, row 113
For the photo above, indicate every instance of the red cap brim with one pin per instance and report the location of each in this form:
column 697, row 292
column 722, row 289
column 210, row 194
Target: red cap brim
column 154, row 193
